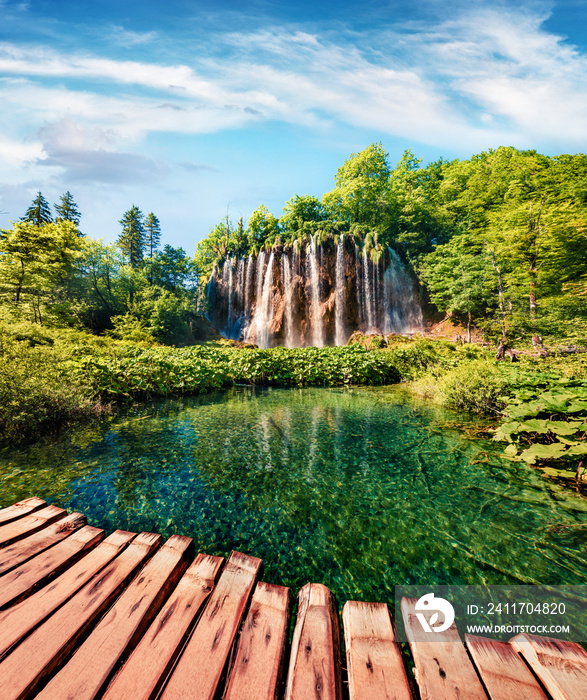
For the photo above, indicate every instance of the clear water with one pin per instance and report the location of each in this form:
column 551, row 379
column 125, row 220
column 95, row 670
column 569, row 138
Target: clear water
column 360, row 489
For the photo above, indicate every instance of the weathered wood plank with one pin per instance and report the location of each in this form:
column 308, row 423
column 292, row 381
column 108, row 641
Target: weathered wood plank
column 22, row 550
column 31, row 575
column 27, row 525
column 200, row 667
column 149, row 665
column 18, row 510
column 374, row 659
column 93, row 664
column 504, row 674
column 314, row 667
column 561, row 666
column 258, row 669
column 23, row 672
column 442, row 666
column 19, row 620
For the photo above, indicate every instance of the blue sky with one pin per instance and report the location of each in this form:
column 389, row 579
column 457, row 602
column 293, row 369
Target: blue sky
column 195, row 109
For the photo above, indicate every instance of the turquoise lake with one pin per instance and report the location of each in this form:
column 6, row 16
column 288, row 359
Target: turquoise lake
column 360, row 489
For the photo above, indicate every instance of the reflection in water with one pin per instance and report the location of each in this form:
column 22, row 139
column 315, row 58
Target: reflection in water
column 359, row 489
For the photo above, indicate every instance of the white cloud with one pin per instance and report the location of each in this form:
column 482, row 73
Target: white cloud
column 483, row 78
column 128, row 38
column 18, row 154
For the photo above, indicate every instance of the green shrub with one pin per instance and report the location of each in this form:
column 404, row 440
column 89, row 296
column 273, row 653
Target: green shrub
column 38, row 395
column 479, row 386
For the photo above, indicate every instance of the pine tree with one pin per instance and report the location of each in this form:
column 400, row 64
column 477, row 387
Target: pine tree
column 67, row 210
column 152, row 234
column 39, row 212
column 132, row 239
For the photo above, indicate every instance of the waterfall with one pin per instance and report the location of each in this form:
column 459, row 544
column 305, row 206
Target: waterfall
column 230, row 293
column 248, row 283
column 264, row 311
column 368, row 292
column 360, row 312
column 317, row 331
column 211, row 296
column 339, row 295
column 288, row 293
column 312, row 295
column 240, row 274
column 402, row 312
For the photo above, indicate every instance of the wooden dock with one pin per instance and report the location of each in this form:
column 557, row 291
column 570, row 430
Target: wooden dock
column 130, row 617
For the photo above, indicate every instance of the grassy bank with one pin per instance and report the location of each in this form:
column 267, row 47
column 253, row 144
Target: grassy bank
column 52, row 378
column 55, row 379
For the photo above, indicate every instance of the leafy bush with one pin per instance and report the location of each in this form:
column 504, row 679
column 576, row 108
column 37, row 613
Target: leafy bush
column 130, row 372
column 479, row 386
column 37, row 393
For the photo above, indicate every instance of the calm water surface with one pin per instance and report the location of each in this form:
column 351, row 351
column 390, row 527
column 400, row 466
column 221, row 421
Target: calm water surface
column 359, row 489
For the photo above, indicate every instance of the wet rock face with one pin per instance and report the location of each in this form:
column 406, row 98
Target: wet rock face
column 312, row 294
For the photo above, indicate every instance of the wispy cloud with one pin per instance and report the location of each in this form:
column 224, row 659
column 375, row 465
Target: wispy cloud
column 479, row 79
column 128, row 38
column 482, row 76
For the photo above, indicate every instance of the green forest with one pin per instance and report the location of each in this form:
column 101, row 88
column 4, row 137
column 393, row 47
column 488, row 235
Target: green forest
column 496, row 242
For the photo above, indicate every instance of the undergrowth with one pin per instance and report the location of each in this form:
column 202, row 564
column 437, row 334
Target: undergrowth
column 49, row 379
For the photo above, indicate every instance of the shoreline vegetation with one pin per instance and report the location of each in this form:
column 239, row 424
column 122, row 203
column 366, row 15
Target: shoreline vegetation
column 53, row 379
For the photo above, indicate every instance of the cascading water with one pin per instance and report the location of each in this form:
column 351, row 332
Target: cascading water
column 339, row 296
column 368, row 292
column 264, row 314
column 318, row 339
column 227, row 271
column 312, row 295
column 358, row 286
column 402, row 310
column 248, row 283
column 287, row 308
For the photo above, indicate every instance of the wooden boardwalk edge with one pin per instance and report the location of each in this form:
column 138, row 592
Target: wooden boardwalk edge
column 130, row 617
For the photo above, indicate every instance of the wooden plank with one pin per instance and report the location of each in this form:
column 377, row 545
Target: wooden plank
column 443, row 668
column 25, row 670
column 143, row 675
column 258, row 669
column 27, row 525
column 19, row 620
column 34, row 573
column 374, row 659
column 314, row 667
column 93, row 664
column 29, row 505
column 200, row 667
column 22, row 550
column 561, row 666
column 504, row 674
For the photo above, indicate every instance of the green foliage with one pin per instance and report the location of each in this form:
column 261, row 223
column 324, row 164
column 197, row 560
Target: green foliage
column 132, row 372
column 37, row 268
column 262, row 228
column 39, row 212
column 131, row 240
column 38, row 394
column 460, row 277
column 361, row 188
column 546, row 422
column 67, row 209
column 480, row 386
column 301, row 215
column 152, row 234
